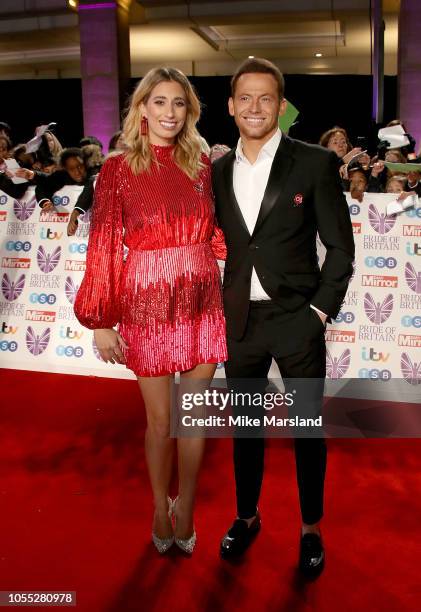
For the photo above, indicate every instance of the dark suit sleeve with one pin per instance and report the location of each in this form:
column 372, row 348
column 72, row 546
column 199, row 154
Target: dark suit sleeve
column 86, row 198
column 335, row 231
column 14, row 190
column 49, row 184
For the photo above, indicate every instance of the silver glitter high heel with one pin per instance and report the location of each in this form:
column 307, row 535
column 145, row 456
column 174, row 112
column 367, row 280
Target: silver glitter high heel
column 186, row 545
column 164, row 544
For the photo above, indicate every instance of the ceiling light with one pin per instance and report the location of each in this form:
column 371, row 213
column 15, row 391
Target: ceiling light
column 251, row 56
column 318, row 55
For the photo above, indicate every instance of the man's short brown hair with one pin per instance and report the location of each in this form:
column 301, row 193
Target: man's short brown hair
column 259, row 65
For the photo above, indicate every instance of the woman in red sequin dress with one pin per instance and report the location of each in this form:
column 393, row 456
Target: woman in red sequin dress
column 166, row 297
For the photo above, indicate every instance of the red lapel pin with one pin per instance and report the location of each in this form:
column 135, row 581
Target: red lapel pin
column 298, row 199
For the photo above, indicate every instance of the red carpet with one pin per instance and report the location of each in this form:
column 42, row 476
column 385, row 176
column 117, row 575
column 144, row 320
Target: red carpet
column 76, row 513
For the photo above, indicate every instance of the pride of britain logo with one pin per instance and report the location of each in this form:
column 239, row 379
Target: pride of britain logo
column 37, row 343
column 336, row 367
column 12, row 289
column 380, row 222
column 23, row 210
column 410, row 371
column 70, row 289
column 412, row 277
column 378, row 312
column 48, row 261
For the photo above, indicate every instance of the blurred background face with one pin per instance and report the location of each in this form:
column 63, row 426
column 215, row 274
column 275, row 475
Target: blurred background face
column 75, row 168
column 358, row 181
column 337, row 142
column 414, row 177
column 120, row 145
column 255, row 106
column 394, row 186
column 166, row 111
column 392, row 157
column 4, row 148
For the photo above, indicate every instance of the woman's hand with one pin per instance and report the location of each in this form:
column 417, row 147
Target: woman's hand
column 110, row 344
column 377, row 168
column 47, row 206
column 343, row 172
column 25, row 174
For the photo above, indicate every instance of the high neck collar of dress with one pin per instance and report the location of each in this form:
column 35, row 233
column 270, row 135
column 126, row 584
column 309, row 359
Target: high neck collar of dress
column 162, row 150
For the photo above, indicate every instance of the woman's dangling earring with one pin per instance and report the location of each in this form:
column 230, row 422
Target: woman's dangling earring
column 144, row 126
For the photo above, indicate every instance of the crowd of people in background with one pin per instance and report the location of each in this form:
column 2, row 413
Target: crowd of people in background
column 361, row 172
column 51, row 166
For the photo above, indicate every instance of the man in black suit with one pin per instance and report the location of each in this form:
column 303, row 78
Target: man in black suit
column 273, row 194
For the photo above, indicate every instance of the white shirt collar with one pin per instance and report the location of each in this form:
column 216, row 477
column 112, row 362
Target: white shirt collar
column 269, row 148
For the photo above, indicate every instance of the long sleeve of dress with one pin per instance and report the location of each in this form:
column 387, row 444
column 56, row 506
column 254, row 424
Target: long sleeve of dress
column 97, row 303
column 217, row 240
column 218, row 243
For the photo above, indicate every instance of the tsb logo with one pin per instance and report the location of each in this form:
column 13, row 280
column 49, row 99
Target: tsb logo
column 61, row 200
column 78, row 248
column 354, row 209
column 345, row 317
column 69, row 351
column 8, row 346
column 380, row 262
column 375, row 374
column 18, row 246
column 42, row 298
column 408, row 321
column 413, row 212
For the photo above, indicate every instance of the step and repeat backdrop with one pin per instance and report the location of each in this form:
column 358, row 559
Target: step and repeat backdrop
column 376, row 336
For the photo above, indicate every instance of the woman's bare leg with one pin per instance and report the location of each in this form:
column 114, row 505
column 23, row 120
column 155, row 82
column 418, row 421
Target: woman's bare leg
column 159, row 447
column 190, row 453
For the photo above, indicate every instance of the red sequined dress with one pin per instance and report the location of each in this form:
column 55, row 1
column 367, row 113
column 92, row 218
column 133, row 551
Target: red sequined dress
column 166, row 297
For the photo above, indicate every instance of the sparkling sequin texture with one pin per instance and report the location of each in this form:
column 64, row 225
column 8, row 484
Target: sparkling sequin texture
column 166, row 297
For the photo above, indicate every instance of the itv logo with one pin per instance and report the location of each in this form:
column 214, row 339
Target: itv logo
column 372, row 355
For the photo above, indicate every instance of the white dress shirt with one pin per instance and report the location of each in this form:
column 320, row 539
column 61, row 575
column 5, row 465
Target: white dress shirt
column 249, row 181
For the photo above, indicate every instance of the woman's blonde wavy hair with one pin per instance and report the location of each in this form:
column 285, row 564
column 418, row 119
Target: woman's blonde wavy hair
column 187, row 151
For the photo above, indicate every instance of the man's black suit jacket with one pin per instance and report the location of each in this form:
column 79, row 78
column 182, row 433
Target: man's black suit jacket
column 303, row 196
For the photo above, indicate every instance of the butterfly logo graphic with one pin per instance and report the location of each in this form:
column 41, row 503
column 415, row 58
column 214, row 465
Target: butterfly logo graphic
column 23, row 210
column 85, row 217
column 336, row 367
column 380, row 222
column 96, row 351
column 376, row 312
column 12, row 289
column 410, row 371
column 70, row 289
column 48, row 261
column 413, row 278
column 37, row 343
